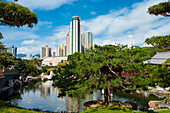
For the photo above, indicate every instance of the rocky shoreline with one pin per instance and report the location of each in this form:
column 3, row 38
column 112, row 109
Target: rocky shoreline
column 13, row 83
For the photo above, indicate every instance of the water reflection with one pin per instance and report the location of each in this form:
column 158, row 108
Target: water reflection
column 44, row 96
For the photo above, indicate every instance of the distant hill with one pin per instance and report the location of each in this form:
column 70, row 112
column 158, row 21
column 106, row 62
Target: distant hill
column 37, row 55
column 21, row 55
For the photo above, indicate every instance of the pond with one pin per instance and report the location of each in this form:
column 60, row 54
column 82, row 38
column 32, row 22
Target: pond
column 44, row 96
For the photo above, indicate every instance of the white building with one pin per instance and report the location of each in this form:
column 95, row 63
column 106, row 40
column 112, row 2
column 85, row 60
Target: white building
column 13, row 50
column 87, row 41
column 45, row 51
column 73, row 40
column 65, row 51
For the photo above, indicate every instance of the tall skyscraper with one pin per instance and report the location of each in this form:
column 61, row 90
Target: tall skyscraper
column 45, row 51
column 59, row 51
column 65, row 51
column 87, row 41
column 53, row 54
column 13, row 50
column 56, row 52
column 74, row 36
column 68, row 50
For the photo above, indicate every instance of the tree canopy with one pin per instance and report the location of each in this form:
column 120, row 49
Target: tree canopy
column 162, row 42
column 12, row 14
column 101, row 68
column 160, row 9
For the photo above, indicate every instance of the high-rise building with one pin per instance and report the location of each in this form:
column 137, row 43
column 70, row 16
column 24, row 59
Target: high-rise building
column 74, row 36
column 45, row 51
column 13, row 50
column 87, row 41
column 65, row 51
column 58, row 52
column 53, row 54
column 68, row 50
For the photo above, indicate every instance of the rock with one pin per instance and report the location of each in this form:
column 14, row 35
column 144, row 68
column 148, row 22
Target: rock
column 16, row 83
column 25, row 80
column 158, row 88
column 10, row 83
column 10, row 91
column 152, row 109
column 167, row 88
column 150, row 87
column 93, row 103
column 137, row 91
column 154, row 104
column 134, row 105
column 163, row 105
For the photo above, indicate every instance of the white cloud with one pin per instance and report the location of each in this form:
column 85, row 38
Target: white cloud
column 33, row 46
column 128, row 25
column 11, row 34
column 30, row 42
column 43, row 4
column 59, row 35
column 14, row 35
column 93, row 13
column 27, row 49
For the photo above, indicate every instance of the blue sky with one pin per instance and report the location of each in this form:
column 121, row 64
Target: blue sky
column 110, row 21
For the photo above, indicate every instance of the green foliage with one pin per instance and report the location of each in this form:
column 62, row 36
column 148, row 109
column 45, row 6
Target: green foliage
column 100, row 68
column 139, row 82
column 162, row 42
column 160, row 75
column 160, row 9
column 166, row 100
column 167, row 61
column 118, row 108
column 29, row 68
column 6, row 59
column 1, row 37
column 12, row 14
column 2, row 46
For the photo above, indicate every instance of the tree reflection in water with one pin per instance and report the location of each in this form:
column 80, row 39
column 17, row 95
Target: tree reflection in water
column 42, row 95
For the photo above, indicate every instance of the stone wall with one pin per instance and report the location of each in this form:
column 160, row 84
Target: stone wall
column 8, row 75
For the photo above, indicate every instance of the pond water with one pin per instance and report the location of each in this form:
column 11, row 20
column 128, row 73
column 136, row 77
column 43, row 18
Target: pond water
column 44, row 96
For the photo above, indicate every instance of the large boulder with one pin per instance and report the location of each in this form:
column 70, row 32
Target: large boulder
column 164, row 106
column 93, row 103
column 10, row 83
column 16, row 83
column 158, row 105
column 154, row 104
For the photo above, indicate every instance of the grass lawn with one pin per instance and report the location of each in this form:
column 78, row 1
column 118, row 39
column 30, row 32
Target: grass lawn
column 8, row 108
column 114, row 108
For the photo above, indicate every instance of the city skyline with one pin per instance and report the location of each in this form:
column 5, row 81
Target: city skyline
column 110, row 21
column 13, row 50
column 75, row 41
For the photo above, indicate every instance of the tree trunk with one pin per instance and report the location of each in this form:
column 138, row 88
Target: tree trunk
column 107, row 95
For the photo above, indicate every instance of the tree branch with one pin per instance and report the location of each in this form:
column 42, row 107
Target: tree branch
column 164, row 14
column 11, row 22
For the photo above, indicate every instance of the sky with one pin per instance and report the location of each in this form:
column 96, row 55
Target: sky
column 110, row 21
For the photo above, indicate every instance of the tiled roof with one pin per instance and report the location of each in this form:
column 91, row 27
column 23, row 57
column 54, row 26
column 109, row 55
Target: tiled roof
column 159, row 58
column 162, row 55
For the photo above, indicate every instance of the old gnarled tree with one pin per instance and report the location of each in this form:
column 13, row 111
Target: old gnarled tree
column 160, row 9
column 12, row 14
